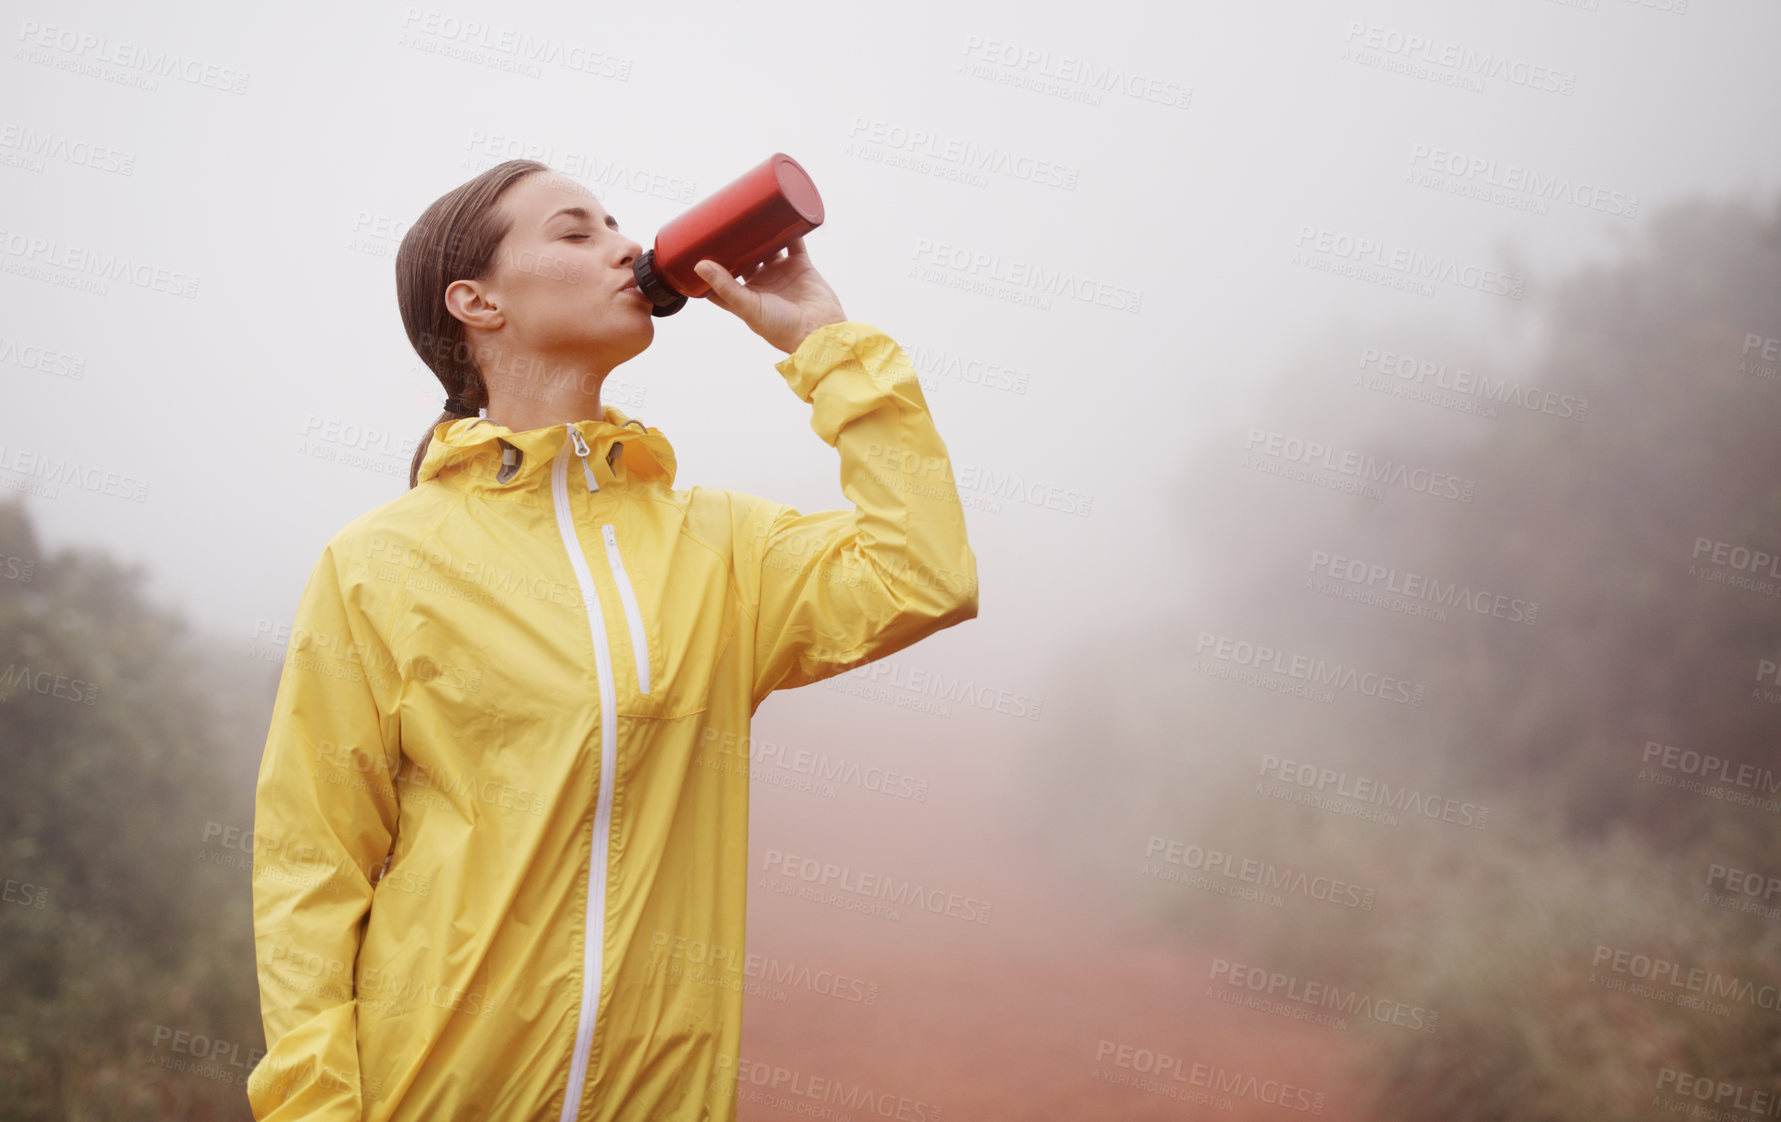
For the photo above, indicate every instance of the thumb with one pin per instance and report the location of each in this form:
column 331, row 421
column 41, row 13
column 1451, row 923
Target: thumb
column 730, row 294
column 724, row 287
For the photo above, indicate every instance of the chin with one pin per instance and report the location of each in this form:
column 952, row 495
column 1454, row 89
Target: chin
column 637, row 340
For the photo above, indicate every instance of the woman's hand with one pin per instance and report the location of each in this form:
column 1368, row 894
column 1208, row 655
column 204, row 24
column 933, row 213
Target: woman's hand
column 782, row 299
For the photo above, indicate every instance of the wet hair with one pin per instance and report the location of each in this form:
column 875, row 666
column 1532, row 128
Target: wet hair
column 454, row 239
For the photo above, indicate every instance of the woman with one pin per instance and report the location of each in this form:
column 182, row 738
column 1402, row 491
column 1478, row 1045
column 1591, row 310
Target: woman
column 501, row 824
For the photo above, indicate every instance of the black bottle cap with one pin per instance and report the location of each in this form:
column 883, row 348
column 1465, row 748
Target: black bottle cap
column 655, row 286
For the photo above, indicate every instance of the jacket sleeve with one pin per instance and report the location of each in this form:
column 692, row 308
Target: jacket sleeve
column 835, row 589
column 325, row 815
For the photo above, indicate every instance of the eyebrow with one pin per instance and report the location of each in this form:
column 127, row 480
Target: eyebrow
column 583, row 213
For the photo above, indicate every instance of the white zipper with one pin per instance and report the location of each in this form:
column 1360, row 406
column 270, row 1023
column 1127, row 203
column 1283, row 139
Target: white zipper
column 633, row 615
column 593, row 942
column 581, row 450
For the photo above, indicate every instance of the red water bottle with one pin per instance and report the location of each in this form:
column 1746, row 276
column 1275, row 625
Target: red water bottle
column 749, row 220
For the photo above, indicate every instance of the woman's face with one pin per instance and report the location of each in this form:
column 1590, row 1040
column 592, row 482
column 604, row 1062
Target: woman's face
column 559, row 278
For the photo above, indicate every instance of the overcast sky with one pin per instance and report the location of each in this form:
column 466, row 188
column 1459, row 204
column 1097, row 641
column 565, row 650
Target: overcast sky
column 1201, row 171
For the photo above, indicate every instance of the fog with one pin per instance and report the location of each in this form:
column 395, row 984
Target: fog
column 286, row 203
column 1144, row 258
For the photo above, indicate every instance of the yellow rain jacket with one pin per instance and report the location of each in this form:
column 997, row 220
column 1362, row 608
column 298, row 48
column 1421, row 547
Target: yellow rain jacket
column 501, row 823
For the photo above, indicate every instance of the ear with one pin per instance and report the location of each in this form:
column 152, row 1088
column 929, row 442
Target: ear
column 468, row 301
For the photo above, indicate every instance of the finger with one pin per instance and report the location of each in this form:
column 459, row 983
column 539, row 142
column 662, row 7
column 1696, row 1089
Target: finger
column 728, row 293
column 724, row 287
column 796, row 246
column 774, row 258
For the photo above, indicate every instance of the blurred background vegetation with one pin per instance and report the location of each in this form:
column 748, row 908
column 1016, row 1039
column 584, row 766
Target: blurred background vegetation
column 128, row 987
column 132, row 745
column 1596, row 521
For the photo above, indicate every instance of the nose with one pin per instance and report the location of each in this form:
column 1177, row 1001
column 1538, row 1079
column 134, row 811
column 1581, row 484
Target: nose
column 632, row 251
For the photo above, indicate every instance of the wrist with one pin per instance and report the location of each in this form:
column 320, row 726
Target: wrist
column 809, row 328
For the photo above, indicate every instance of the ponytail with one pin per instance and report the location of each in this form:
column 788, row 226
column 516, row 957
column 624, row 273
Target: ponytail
column 454, row 239
column 420, row 452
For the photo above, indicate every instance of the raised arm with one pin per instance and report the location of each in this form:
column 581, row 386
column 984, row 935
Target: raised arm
column 839, row 588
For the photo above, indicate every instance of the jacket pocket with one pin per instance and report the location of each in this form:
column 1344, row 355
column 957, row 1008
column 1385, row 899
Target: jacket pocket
column 674, row 623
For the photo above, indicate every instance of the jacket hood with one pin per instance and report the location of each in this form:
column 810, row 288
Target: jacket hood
column 480, row 452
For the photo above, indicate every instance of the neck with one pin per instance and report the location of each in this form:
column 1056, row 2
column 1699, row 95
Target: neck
column 532, row 392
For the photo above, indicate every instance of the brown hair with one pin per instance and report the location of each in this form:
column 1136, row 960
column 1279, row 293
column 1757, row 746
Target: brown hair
column 454, row 239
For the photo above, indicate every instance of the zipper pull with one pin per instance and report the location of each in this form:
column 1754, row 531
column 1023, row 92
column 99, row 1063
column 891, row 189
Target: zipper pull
column 581, row 449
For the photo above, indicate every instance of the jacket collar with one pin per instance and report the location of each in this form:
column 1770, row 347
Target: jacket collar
column 472, row 451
